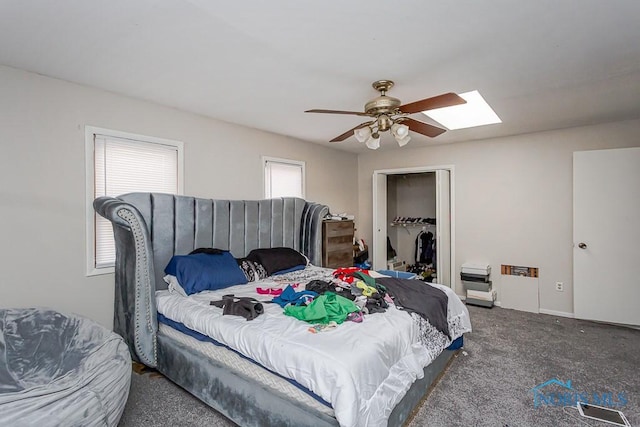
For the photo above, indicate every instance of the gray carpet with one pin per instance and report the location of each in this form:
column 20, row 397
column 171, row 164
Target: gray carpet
column 488, row 384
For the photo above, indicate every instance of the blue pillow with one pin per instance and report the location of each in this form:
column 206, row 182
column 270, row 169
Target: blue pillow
column 203, row 272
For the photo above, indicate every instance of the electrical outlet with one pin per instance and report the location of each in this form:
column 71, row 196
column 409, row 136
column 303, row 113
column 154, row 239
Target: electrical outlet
column 559, row 286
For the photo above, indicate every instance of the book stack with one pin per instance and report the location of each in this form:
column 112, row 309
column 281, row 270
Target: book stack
column 476, row 279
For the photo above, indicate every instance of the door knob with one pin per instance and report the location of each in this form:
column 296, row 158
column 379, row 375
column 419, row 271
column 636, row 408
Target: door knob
column 582, row 245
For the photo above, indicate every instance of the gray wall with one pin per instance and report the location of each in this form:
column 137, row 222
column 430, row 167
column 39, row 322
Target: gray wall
column 42, row 171
column 513, row 198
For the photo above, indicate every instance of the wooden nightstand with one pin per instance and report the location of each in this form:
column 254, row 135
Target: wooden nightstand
column 337, row 243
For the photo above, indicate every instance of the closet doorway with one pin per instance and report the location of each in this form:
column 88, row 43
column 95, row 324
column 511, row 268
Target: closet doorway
column 410, row 203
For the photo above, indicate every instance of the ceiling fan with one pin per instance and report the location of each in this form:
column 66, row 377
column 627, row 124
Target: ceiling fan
column 388, row 114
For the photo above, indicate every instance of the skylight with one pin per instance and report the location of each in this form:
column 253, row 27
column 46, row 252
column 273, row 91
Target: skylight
column 476, row 112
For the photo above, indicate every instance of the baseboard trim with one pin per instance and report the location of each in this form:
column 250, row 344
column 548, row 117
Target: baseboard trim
column 556, row 313
column 541, row 310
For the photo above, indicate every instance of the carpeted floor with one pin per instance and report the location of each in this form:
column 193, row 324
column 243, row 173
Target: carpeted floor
column 488, row 384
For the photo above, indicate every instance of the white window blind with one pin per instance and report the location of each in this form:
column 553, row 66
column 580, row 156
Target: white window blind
column 124, row 166
column 283, row 178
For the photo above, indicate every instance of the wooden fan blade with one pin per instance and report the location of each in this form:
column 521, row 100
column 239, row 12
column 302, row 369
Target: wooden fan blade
column 337, row 112
column 444, row 100
column 423, row 128
column 349, row 133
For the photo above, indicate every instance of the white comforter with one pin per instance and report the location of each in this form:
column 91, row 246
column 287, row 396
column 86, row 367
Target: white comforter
column 362, row 369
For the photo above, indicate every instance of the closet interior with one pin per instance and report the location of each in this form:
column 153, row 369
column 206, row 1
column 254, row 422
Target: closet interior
column 411, row 231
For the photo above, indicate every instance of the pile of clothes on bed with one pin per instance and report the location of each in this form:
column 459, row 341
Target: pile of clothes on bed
column 355, row 293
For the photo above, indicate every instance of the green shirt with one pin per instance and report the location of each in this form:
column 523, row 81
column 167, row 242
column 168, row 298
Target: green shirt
column 324, row 309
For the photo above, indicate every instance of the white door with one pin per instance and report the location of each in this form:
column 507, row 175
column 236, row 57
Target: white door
column 606, row 233
column 379, row 221
column 443, row 227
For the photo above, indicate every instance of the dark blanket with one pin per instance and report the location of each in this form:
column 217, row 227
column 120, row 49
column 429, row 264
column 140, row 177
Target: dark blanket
column 418, row 297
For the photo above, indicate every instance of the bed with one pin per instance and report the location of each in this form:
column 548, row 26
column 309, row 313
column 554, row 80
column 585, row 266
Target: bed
column 270, row 370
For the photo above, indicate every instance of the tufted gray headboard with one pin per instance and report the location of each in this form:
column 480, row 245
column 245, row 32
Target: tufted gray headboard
column 149, row 228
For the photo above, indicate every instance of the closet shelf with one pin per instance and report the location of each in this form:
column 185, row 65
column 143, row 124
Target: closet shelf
column 411, row 224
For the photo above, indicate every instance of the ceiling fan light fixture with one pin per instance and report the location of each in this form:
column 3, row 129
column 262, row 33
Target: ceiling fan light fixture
column 362, row 134
column 403, row 141
column 373, row 143
column 389, row 114
column 400, row 131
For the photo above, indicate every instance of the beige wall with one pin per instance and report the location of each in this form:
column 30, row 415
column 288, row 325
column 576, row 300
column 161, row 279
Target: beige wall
column 42, row 175
column 513, row 198
column 513, row 195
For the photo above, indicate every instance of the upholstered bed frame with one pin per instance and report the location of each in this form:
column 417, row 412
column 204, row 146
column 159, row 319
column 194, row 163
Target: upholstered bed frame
column 149, row 228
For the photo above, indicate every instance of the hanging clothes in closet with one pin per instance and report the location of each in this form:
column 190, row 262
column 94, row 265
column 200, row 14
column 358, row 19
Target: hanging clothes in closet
column 424, row 247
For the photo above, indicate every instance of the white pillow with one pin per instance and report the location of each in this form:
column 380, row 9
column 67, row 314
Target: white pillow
column 174, row 286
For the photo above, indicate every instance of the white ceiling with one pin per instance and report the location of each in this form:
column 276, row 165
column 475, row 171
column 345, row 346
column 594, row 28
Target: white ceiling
column 543, row 64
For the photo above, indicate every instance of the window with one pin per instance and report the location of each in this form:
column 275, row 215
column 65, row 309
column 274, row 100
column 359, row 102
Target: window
column 119, row 163
column 283, row 178
column 476, row 112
